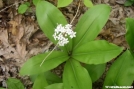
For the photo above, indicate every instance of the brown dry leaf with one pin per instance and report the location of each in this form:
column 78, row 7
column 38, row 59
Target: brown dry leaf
column 117, row 41
column 4, row 37
column 129, row 12
column 35, row 51
column 112, row 1
column 18, row 19
column 29, row 31
column 115, row 21
column 9, row 52
column 20, row 45
column 21, row 50
column 116, row 14
column 1, row 3
column 106, row 32
column 106, row 1
column 20, row 33
column 120, row 1
column 13, row 28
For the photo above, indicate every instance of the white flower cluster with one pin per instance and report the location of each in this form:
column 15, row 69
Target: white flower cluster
column 62, row 33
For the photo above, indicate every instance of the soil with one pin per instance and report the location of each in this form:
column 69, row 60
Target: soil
column 21, row 38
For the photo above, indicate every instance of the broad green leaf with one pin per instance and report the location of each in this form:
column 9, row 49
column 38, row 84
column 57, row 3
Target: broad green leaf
column 75, row 76
column 22, row 8
column 50, row 77
column 35, row 2
column 48, row 18
column 130, row 32
column 33, row 77
column 55, row 86
column 121, row 73
column 13, row 83
column 63, row 3
column 52, row 61
column 90, row 24
column 40, row 82
column 96, row 52
column 95, row 71
column 88, row 3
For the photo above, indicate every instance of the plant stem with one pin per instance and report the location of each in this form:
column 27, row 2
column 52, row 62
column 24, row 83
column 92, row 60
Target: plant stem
column 48, row 55
column 10, row 6
column 76, row 13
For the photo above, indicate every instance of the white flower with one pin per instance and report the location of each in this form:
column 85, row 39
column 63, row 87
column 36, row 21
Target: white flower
column 63, row 42
column 68, row 26
column 73, row 35
column 62, row 32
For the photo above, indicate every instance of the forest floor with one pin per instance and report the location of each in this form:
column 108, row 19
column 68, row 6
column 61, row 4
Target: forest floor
column 21, row 37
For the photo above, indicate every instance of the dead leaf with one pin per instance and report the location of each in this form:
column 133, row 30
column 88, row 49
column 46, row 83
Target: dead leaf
column 29, row 31
column 1, row 3
column 115, row 21
column 20, row 33
column 4, row 37
column 21, row 50
column 13, row 27
column 117, row 41
column 106, row 1
column 1, row 59
column 120, row 1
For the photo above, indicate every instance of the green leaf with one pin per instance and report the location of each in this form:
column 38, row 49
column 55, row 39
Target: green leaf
column 52, row 78
column 13, row 83
column 52, row 61
column 121, row 73
column 27, row 3
column 33, row 77
column 2, row 88
column 96, row 52
column 95, row 71
column 90, row 24
column 35, row 2
column 55, row 86
column 130, row 32
column 40, row 82
column 128, row 3
column 22, row 8
column 63, row 3
column 88, row 3
column 48, row 18
column 75, row 76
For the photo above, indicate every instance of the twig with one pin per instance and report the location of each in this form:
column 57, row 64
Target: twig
column 10, row 6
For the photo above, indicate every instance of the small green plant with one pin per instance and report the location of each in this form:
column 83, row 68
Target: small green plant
column 23, row 7
column 121, row 73
column 76, row 46
column 129, row 2
column 61, row 3
column 13, row 83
